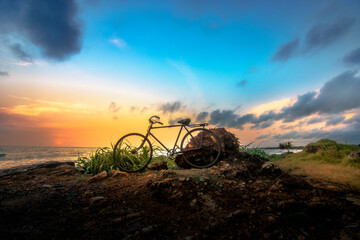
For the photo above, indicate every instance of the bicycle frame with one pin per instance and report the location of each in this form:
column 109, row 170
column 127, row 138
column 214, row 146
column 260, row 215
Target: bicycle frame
column 171, row 152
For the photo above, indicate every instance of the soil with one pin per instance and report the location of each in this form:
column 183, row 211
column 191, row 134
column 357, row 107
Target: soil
column 242, row 197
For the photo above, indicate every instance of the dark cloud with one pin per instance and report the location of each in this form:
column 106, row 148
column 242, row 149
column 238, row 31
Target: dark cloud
column 304, row 106
column 228, row 118
column 241, row 83
column 263, row 136
column 4, row 73
column 352, row 57
column 334, row 120
column 286, row 51
column 349, row 134
column 323, row 35
column 336, row 96
column 201, row 117
column 263, row 125
column 114, row 108
column 315, row 120
column 20, row 53
column 339, row 94
column 52, row 26
column 171, row 107
column 288, row 135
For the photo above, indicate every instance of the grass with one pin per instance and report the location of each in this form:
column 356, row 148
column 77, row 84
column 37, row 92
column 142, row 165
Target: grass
column 325, row 159
column 103, row 159
column 96, row 162
column 254, row 151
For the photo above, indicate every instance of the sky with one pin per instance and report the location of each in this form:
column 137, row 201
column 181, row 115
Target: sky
column 85, row 72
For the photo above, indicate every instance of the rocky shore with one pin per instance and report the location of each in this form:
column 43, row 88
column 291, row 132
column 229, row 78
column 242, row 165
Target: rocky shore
column 242, row 197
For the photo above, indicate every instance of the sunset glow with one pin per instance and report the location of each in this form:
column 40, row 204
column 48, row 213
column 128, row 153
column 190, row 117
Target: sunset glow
column 268, row 72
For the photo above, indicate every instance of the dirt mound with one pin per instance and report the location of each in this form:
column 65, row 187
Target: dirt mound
column 229, row 146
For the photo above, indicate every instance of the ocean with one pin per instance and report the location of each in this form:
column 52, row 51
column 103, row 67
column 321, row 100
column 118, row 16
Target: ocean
column 20, row 156
column 278, row 151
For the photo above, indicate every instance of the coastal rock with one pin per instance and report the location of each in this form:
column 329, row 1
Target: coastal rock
column 98, row 200
column 158, row 166
column 269, row 168
column 98, row 177
column 116, row 173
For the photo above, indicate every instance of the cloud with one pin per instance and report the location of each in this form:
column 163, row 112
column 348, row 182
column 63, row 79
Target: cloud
column 315, row 120
column 349, row 134
column 339, row 94
column 4, row 73
column 201, row 117
column 323, row 35
column 352, row 57
column 355, row 119
column 334, row 120
column 114, row 108
column 171, row 107
column 263, row 125
column 286, row 51
column 263, row 136
column 53, row 26
column 241, row 83
column 319, row 36
column 20, row 53
column 228, row 118
column 118, row 42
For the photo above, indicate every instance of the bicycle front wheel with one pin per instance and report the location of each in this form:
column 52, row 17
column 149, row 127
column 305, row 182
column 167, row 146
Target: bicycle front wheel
column 132, row 153
column 201, row 148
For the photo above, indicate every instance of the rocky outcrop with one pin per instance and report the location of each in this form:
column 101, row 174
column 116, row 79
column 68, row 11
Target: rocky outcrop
column 241, row 197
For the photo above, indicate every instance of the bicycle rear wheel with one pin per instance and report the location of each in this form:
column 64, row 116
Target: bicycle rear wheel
column 132, row 153
column 201, row 148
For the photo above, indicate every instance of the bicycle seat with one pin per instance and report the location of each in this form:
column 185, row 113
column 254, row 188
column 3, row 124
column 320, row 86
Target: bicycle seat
column 185, row 121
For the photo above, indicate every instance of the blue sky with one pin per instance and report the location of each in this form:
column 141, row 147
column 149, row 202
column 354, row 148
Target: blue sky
column 247, row 64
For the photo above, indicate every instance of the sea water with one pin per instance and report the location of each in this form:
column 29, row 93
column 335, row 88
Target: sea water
column 19, row 156
column 278, row 151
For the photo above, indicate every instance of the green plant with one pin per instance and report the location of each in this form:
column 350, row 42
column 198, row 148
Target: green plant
column 103, row 159
column 99, row 161
column 285, row 145
column 254, row 151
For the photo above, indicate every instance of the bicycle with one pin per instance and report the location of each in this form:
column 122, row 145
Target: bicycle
column 200, row 147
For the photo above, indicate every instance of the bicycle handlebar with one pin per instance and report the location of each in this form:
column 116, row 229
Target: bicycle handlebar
column 152, row 121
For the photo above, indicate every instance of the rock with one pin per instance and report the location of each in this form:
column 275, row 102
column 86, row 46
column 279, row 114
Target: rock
column 98, row 200
column 116, row 173
column 100, row 176
column 269, row 168
column 158, row 166
column 148, row 230
column 354, row 155
column 271, row 219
